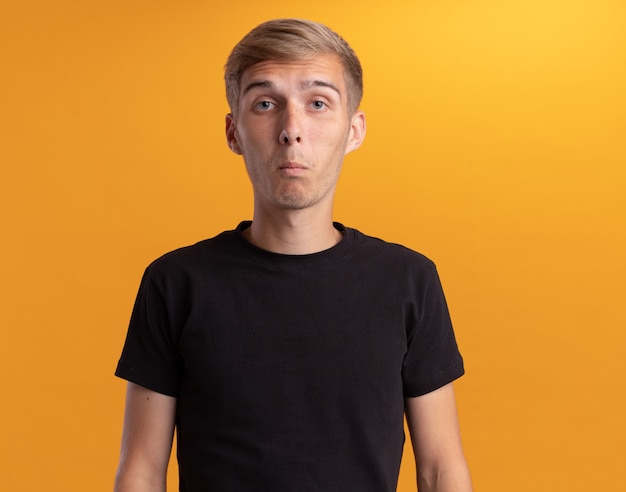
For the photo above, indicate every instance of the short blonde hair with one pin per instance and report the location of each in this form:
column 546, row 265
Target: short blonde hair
column 290, row 40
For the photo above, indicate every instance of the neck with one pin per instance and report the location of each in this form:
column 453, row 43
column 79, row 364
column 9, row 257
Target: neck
column 292, row 232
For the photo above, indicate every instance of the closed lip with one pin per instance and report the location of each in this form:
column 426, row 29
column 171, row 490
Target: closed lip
column 292, row 169
column 291, row 165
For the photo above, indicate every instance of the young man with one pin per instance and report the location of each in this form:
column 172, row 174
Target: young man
column 286, row 352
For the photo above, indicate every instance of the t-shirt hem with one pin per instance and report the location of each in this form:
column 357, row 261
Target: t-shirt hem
column 438, row 380
column 133, row 375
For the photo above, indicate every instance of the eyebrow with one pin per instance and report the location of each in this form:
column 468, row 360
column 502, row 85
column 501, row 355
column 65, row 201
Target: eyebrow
column 305, row 84
column 252, row 85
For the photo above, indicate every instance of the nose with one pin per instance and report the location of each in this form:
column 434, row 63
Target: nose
column 291, row 127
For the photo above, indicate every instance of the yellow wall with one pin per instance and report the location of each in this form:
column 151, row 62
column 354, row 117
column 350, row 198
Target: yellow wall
column 496, row 146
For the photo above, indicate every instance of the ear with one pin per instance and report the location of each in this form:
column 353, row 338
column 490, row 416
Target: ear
column 231, row 134
column 357, row 132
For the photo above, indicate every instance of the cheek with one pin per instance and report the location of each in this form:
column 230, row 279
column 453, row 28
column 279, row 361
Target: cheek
column 336, row 141
column 258, row 138
column 330, row 136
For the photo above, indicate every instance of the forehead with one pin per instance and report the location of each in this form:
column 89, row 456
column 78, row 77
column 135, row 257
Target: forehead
column 304, row 73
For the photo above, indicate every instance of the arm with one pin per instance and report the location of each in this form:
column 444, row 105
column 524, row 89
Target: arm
column 434, row 429
column 146, row 440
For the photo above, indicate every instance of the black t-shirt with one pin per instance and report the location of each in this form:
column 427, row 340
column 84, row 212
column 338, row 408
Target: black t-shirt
column 290, row 371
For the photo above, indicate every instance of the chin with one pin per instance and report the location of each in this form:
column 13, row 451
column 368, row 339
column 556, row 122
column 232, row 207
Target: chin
column 294, row 202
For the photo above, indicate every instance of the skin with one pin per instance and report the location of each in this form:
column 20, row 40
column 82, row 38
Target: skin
column 434, row 429
column 146, row 440
column 293, row 129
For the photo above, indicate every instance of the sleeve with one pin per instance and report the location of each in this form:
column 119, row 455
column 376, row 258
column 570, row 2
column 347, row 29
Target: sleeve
column 150, row 356
column 433, row 358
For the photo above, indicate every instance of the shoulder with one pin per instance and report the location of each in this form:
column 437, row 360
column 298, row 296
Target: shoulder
column 374, row 248
column 192, row 257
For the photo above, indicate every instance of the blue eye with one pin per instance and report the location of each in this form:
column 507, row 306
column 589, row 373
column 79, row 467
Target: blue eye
column 318, row 104
column 265, row 105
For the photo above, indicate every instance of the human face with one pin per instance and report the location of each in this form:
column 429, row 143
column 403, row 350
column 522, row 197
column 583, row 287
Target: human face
column 293, row 129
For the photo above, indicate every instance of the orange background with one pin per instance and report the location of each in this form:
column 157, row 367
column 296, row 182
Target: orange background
column 496, row 146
